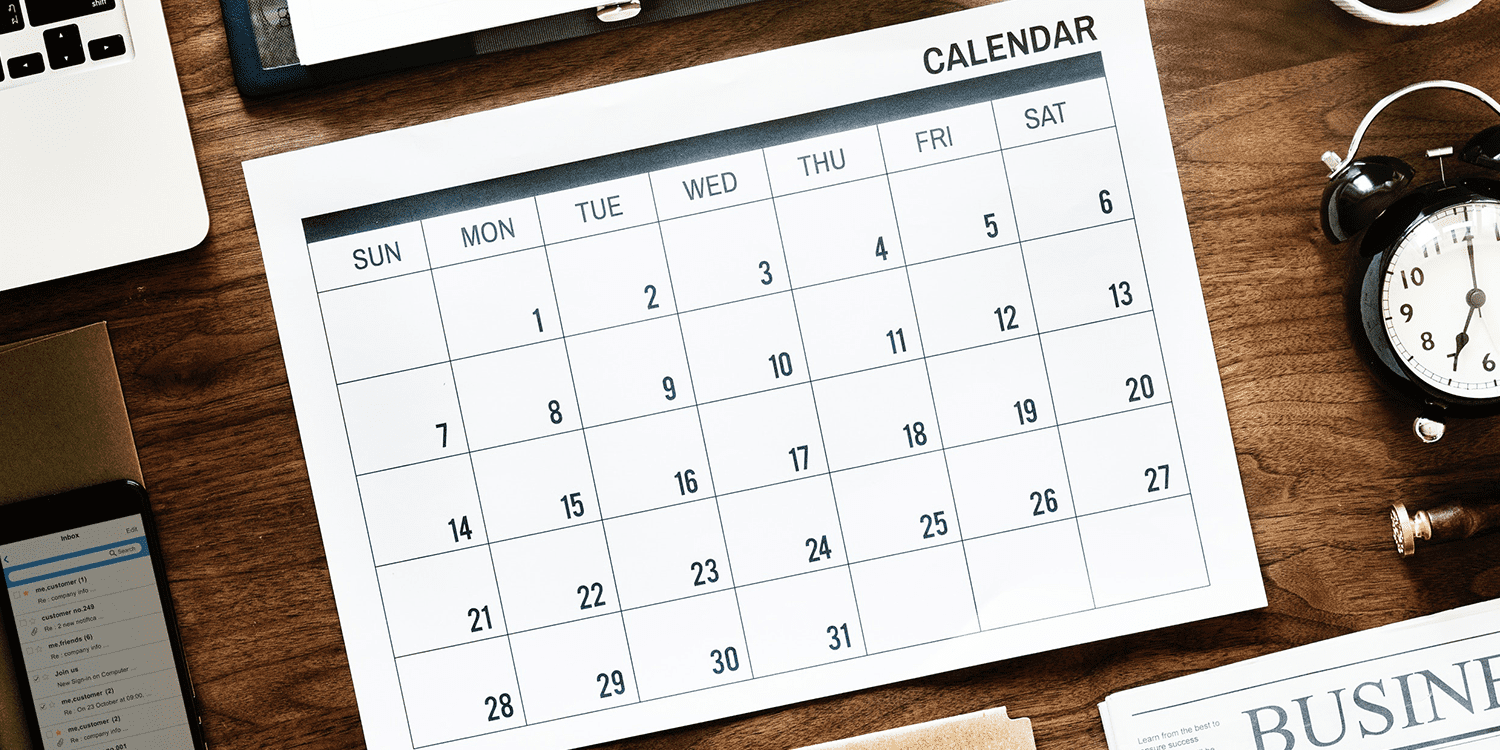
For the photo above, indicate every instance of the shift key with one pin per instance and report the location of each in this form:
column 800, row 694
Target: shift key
column 43, row 12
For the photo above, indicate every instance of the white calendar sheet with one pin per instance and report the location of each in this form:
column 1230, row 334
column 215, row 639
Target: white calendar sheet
column 756, row 382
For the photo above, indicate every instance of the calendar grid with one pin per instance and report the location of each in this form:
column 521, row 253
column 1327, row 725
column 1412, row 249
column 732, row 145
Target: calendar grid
column 809, row 667
column 583, row 435
column 765, row 295
column 698, row 413
column 1192, row 504
column 369, row 538
column 1042, row 349
column 483, row 525
column 927, row 371
column 843, row 472
column 817, row 414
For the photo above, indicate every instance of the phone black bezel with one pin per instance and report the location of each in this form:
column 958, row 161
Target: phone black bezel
column 36, row 517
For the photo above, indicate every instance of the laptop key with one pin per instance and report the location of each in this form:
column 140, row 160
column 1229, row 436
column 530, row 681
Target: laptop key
column 43, row 12
column 10, row 16
column 110, row 46
column 64, row 46
column 25, row 65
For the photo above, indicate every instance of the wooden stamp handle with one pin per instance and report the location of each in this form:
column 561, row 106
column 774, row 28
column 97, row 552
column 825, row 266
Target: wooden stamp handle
column 1444, row 523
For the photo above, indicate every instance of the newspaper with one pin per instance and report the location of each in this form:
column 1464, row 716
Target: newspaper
column 1432, row 682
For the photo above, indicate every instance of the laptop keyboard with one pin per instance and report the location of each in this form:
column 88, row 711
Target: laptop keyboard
column 45, row 40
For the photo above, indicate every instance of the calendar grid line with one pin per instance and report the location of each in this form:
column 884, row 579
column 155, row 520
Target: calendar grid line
column 836, row 661
column 810, row 477
column 1058, row 137
column 1156, row 328
column 1080, row 420
column 916, row 318
column 817, row 415
column 360, row 496
column 823, row 378
column 702, row 434
column 1047, row 373
column 478, row 494
column 583, row 435
column 741, row 205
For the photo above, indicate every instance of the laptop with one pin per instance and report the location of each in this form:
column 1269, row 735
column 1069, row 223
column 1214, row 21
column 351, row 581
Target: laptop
column 98, row 166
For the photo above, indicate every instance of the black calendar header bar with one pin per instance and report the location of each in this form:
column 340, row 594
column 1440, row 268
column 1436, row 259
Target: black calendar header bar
column 998, row 85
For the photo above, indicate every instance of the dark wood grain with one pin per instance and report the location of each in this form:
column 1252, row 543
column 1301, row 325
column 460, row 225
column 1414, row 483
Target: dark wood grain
column 1254, row 93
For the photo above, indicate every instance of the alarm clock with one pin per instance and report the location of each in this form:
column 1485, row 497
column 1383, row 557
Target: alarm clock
column 1425, row 263
column 1436, row 12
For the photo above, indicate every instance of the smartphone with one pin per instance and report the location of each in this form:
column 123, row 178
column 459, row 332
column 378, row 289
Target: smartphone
column 88, row 618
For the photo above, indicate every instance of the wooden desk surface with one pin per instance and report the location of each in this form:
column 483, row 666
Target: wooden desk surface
column 1254, row 92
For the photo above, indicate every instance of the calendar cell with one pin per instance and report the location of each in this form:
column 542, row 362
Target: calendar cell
column 938, row 137
column 802, row 621
column 745, row 347
column 405, row 418
column 916, row 511
column 650, row 463
column 688, row 645
column 595, row 209
column 725, row 256
column 1104, row 368
column 517, row 394
column 1063, row 200
column 631, row 371
column 441, row 601
column 877, row 415
column 497, row 303
column 368, row 256
column 421, row 510
column 1011, row 483
column 1143, row 551
column 669, row 553
column 782, row 530
column 1087, row 276
column 823, row 161
column 611, row 280
column 973, row 299
column 1148, row 466
column 1029, row 574
column 1054, row 113
column 839, row 232
column 482, row 232
column 991, row 391
column 406, row 333
column 556, row 577
column 763, row 439
column 461, row 692
column 535, row 486
column 918, row 597
column 710, row 185
column 597, row 675
column 955, row 207
column 858, row 324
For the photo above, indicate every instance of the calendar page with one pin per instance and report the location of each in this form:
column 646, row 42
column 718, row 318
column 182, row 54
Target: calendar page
column 756, row 382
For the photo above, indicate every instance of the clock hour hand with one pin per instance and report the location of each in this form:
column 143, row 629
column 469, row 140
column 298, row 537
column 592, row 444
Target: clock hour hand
column 1462, row 339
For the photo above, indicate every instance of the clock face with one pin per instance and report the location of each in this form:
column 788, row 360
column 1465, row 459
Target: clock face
column 1436, row 300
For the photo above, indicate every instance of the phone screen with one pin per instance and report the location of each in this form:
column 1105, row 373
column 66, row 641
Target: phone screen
column 94, row 647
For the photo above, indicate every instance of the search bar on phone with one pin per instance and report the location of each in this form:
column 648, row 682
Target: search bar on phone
column 85, row 559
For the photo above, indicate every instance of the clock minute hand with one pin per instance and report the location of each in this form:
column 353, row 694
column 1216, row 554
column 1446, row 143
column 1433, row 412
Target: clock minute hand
column 1474, row 295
